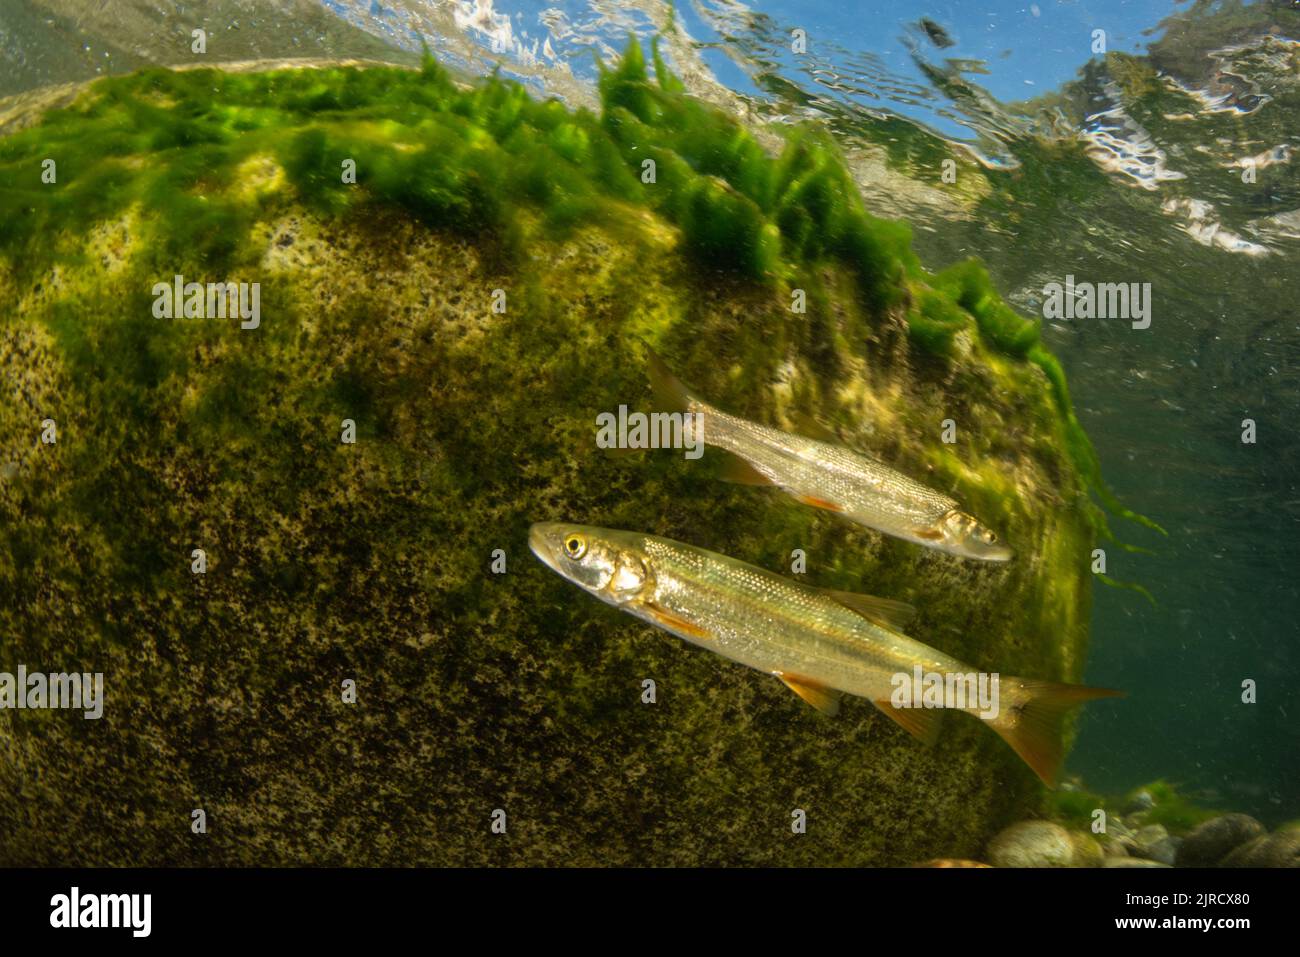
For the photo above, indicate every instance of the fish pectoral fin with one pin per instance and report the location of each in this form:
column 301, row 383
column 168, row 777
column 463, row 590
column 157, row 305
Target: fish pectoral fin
column 929, row 534
column 674, row 622
column 882, row 611
column 816, row 502
column 740, row 472
column 826, row 700
column 921, row 723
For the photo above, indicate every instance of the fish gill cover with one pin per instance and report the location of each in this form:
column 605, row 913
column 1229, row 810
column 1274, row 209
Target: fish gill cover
column 329, row 560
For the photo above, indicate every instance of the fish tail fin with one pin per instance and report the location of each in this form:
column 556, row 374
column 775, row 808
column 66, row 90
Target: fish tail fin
column 669, row 391
column 1031, row 720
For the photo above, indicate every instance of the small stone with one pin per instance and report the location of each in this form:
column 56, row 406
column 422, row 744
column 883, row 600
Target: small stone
column 1087, row 852
column 1210, row 842
column 1032, row 844
column 1117, row 829
column 1268, row 850
column 1141, row 801
column 1071, row 783
column 1126, row 832
column 1153, row 843
column 1241, row 854
column 1150, row 834
column 1113, row 847
column 1130, row 862
column 1164, row 850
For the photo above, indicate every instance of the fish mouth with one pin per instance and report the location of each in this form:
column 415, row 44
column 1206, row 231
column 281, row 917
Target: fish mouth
column 994, row 553
column 544, row 539
column 963, row 535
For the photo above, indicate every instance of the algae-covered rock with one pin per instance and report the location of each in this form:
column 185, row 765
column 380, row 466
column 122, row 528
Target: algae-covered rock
column 1210, row 842
column 1088, row 852
column 1154, row 843
column 465, row 309
column 1132, row 862
column 1160, row 803
column 1112, row 846
column 1033, row 844
column 1268, row 850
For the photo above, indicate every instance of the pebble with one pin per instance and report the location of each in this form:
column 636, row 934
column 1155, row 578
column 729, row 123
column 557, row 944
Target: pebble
column 1130, row 862
column 1032, row 844
column 1209, row 843
column 1113, row 847
column 1141, row 801
column 1087, row 852
column 1268, row 850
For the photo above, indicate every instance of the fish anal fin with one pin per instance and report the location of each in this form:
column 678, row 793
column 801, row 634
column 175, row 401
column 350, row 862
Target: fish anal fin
column 816, row 502
column 826, row 700
column 920, row 723
column 674, row 622
column 737, row 470
column 882, row 611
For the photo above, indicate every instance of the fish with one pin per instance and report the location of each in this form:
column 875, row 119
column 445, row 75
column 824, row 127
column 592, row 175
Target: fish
column 832, row 477
column 822, row 644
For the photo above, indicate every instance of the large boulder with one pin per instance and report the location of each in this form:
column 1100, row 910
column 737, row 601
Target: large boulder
column 471, row 304
column 1210, row 842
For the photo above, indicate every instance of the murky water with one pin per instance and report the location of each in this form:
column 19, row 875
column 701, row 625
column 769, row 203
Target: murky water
column 1168, row 159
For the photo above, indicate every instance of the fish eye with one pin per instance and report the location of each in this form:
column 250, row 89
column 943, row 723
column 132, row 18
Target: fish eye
column 575, row 546
column 990, row 538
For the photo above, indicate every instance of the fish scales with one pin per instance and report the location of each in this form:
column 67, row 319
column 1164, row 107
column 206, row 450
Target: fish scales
column 819, row 643
column 832, row 477
column 769, row 623
column 867, row 491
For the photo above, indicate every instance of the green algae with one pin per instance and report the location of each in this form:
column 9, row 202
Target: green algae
column 1075, row 808
column 1168, row 808
column 1171, row 809
column 329, row 561
column 465, row 159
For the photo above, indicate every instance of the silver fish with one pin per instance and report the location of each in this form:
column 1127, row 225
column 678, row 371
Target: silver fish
column 834, row 478
column 820, row 643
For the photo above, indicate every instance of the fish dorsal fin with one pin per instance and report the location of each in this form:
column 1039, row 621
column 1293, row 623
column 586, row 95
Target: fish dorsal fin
column 737, row 470
column 826, row 700
column 669, row 391
column 809, row 426
column 920, row 723
column 882, row 611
